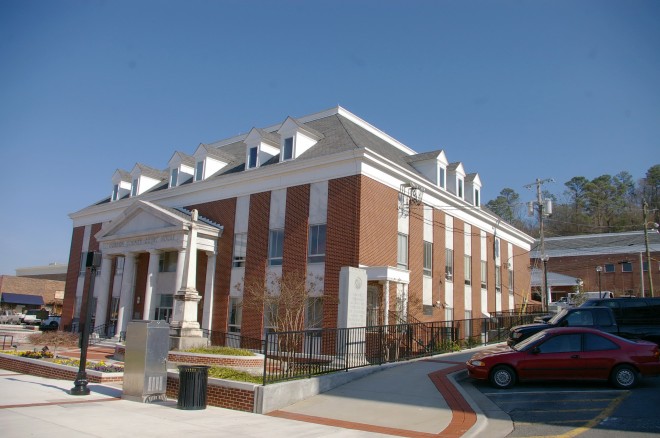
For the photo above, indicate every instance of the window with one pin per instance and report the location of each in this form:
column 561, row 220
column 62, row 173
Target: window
column 402, row 251
column 428, row 259
column 134, row 187
column 594, row 342
column 316, row 244
column 240, row 250
column 314, row 313
column 252, row 158
column 288, row 149
column 579, row 318
column 235, row 315
column 476, row 197
column 460, row 188
column 275, row 247
column 626, row 267
column 468, row 269
column 609, row 267
column 441, row 183
column 511, row 281
column 167, row 261
column 449, row 264
column 449, row 314
column 174, row 177
column 484, row 274
column 645, row 266
column 115, row 192
column 498, row 279
column 199, row 170
column 562, row 344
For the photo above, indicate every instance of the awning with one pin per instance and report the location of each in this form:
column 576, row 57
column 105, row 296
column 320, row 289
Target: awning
column 30, row 300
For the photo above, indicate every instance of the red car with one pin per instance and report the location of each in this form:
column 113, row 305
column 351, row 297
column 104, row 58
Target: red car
column 567, row 353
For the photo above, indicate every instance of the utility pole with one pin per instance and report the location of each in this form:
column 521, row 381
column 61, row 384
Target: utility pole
column 544, row 207
column 645, row 209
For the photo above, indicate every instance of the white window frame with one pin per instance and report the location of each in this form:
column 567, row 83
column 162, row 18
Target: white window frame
column 428, row 259
column 449, row 264
column 402, row 251
column 316, row 245
column 284, row 149
column 240, row 250
column 467, row 260
column 253, row 160
column 174, row 177
column 275, row 247
column 199, row 170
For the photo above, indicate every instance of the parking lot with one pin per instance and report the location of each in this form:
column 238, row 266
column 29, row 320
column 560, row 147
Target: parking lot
column 579, row 409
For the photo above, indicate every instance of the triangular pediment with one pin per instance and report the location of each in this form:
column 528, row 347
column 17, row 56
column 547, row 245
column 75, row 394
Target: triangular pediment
column 142, row 218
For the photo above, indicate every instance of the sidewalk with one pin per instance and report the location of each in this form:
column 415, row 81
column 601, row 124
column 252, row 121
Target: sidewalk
column 416, row 399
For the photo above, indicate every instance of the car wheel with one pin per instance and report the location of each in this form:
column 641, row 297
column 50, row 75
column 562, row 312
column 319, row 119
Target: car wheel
column 53, row 325
column 625, row 376
column 502, row 377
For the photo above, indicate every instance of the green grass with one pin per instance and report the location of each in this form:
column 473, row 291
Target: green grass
column 226, row 351
column 231, row 374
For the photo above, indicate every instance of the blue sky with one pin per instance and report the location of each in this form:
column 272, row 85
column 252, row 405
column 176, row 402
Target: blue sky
column 516, row 90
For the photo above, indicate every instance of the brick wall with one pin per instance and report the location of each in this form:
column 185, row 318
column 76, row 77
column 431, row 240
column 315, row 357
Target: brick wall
column 378, row 209
column 72, row 275
column 37, row 367
column 459, row 269
column 504, row 260
column 416, row 260
column 255, row 264
column 476, row 273
column 224, row 213
column 342, row 237
column 217, row 394
column 439, row 263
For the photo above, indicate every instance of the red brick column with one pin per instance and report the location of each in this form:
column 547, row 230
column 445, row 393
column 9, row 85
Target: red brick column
column 72, row 275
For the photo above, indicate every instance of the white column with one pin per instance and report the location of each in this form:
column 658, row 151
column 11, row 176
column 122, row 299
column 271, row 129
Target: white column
column 180, row 263
column 207, row 317
column 152, row 278
column 102, row 290
column 387, row 303
column 126, row 297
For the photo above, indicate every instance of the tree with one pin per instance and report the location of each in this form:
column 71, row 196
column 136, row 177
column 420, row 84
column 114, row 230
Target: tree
column 577, row 194
column 650, row 190
column 506, row 205
column 290, row 303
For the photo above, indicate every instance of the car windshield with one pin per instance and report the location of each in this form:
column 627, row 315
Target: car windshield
column 557, row 317
column 524, row 345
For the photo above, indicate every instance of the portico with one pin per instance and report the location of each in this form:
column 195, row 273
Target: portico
column 144, row 254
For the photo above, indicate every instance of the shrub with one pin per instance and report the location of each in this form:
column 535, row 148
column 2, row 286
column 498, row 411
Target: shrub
column 232, row 374
column 55, row 339
column 36, row 354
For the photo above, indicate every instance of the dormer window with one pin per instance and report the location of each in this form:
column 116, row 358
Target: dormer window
column 442, row 178
column 174, row 177
column 252, row 158
column 460, row 189
column 121, row 185
column 476, row 197
column 287, row 154
column 297, row 138
column 199, row 171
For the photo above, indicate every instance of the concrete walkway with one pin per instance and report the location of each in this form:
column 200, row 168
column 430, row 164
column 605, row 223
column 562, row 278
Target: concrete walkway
column 417, row 399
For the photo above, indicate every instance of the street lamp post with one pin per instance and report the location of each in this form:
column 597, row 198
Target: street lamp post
column 545, row 299
column 92, row 262
column 599, row 269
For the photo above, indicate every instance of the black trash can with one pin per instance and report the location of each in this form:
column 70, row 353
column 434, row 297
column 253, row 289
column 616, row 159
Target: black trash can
column 193, row 382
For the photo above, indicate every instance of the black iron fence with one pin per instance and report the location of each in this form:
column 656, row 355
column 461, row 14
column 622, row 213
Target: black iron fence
column 300, row 354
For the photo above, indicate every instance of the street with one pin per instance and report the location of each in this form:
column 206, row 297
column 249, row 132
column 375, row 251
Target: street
column 592, row 410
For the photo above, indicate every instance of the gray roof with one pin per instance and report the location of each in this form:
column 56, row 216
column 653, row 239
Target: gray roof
column 124, row 175
column 151, row 172
column 336, row 133
column 554, row 279
column 598, row 244
column 423, row 156
column 186, row 159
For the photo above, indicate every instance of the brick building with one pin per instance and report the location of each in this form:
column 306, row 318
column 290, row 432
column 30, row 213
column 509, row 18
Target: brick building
column 24, row 293
column 310, row 195
column 621, row 258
